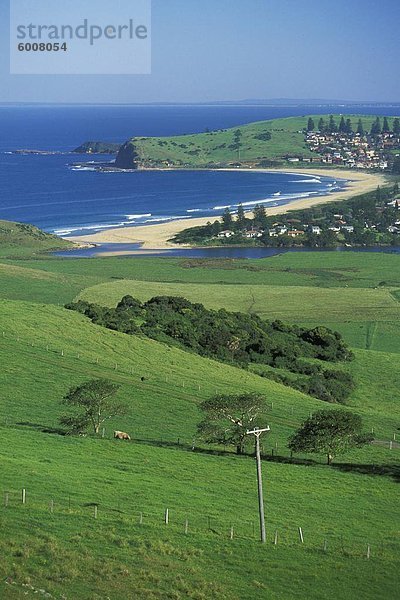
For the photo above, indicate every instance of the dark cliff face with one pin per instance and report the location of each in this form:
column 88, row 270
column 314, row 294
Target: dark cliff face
column 127, row 157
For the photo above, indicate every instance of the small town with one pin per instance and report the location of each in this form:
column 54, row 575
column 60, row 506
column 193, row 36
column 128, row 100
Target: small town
column 372, row 219
column 341, row 145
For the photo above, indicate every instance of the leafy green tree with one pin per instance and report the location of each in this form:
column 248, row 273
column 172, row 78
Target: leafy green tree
column 260, row 216
column 322, row 125
column 385, row 126
column 310, row 124
column 93, row 403
column 228, row 417
column 332, row 127
column 349, row 126
column 376, row 128
column 236, row 140
column 241, row 217
column 227, row 219
column 129, row 305
column 342, row 125
column 329, row 432
column 360, row 127
column 396, row 126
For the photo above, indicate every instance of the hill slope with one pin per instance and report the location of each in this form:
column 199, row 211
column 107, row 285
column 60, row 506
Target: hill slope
column 21, row 239
column 69, row 552
column 256, row 142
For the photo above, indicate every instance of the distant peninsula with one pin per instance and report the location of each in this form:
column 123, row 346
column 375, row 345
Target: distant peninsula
column 350, row 141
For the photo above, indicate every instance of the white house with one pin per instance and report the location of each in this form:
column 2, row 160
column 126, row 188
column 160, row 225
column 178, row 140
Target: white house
column 253, row 233
column 225, row 234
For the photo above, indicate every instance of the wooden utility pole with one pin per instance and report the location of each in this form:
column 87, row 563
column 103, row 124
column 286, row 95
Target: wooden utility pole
column 257, row 432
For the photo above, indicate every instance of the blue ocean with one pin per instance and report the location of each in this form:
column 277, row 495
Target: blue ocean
column 48, row 191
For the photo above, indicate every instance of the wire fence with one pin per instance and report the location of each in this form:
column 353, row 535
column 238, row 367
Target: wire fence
column 153, row 521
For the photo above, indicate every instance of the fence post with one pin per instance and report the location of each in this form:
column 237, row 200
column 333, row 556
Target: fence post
column 23, row 496
column 231, row 532
column 368, row 551
column 95, row 511
column 166, row 516
column 325, row 545
column 141, row 518
column 301, row 535
column 186, row 526
column 52, row 505
column 276, row 538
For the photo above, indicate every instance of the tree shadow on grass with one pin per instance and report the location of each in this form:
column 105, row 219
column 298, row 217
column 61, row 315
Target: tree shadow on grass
column 390, row 470
column 41, row 427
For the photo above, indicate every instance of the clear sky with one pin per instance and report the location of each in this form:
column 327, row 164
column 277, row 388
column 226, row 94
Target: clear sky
column 206, row 50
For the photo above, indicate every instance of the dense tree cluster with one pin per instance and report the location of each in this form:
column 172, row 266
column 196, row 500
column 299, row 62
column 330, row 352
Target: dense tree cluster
column 236, row 338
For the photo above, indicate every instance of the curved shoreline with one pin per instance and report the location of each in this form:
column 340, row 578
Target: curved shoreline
column 155, row 237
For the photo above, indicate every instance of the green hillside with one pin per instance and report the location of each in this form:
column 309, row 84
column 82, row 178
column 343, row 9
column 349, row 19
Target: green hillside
column 54, row 545
column 259, row 141
column 146, row 476
column 21, row 239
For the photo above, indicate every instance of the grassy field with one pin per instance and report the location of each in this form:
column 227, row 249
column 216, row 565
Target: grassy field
column 270, row 302
column 45, row 349
column 155, row 472
column 219, row 147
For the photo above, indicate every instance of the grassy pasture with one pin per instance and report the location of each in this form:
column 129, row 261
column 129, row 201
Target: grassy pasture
column 72, row 553
column 311, row 269
column 352, row 504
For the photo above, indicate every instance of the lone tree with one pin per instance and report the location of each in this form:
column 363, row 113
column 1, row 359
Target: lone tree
column 330, row 432
column 228, row 417
column 94, row 403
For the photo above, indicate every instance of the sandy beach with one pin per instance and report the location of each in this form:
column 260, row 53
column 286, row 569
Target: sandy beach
column 155, row 237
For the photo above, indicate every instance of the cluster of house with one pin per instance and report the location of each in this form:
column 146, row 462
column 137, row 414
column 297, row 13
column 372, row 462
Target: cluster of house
column 353, row 149
column 340, row 225
column 252, row 233
column 294, row 229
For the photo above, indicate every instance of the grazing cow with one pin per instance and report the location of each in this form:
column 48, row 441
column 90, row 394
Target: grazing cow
column 121, row 435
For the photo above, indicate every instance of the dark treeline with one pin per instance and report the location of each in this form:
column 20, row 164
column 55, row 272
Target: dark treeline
column 346, row 126
column 236, row 338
